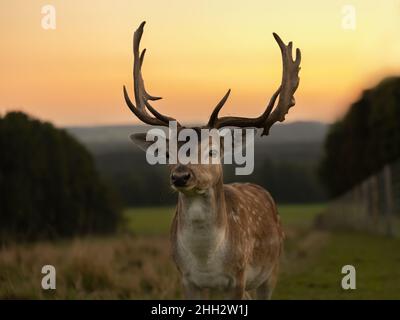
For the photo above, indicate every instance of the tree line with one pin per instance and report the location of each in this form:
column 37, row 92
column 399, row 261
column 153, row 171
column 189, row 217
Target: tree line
column 364, row 140
column 52, row 187
column 289, row 178
column 49, row 184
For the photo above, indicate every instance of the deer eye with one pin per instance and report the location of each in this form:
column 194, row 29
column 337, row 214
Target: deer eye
column 213, row 153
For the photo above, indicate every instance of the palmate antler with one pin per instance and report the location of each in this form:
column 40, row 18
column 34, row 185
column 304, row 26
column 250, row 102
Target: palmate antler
column 290, row 82
column 141, row 96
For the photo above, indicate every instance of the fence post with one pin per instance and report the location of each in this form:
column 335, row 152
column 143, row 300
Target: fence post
column 375, row 202
column 388, row 199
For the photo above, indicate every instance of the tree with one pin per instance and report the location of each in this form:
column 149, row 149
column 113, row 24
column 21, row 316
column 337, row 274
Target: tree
column 367, row 138
column 49, row 184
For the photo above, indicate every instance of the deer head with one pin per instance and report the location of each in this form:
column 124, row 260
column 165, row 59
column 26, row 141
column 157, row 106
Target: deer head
column 199, row 177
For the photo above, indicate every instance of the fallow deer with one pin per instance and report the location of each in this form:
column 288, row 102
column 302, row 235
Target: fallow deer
column 225, row 237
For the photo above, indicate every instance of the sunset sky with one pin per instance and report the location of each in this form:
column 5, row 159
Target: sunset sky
column 196, row 50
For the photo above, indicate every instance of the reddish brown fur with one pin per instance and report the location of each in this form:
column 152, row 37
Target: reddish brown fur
column 225, row 237
column 248, row 215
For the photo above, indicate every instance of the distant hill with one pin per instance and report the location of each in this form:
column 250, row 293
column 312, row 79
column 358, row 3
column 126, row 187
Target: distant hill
column 101, row 139
column 285, row 163
column 302, row 131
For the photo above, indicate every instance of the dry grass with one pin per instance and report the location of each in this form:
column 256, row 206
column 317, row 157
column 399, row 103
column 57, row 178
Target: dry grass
column 120, row 267
column 124, row 267
column 140, row 267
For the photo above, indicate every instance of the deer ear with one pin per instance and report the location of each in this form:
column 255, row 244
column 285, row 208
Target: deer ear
column 145, row 140
column 139, row 139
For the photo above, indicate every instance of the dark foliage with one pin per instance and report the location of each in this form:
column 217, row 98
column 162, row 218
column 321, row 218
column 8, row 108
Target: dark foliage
column 48, row 184
column 286, row 170
column 366, row 139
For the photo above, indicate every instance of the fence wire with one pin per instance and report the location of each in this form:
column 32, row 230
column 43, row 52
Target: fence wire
column 373, row 205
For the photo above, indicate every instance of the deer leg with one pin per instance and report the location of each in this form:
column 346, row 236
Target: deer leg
column 191, row 291
column 237, row 292
column 247, row 296
column 264, row 291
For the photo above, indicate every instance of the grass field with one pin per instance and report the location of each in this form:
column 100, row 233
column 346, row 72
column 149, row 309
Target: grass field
column 317, row 275
column 156, row 221
column 136, row 264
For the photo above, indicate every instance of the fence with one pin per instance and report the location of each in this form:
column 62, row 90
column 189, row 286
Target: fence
column 373, row 205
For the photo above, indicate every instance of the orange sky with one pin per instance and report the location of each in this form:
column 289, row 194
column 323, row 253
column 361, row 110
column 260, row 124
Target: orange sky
column 196, row 51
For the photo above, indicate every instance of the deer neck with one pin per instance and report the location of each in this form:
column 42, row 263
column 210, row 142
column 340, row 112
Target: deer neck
column 203, row 216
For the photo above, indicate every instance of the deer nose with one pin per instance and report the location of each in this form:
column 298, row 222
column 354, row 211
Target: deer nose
column 179, row 179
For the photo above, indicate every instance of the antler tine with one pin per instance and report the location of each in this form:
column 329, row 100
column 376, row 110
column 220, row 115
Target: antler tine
column 218, row 107
column 141, row 95
column 290, row 82
column 241, row 121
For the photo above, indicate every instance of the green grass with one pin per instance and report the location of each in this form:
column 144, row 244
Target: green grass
column 139, row 266
column 313, row 259
column 318, row 275
column 157, row 220
column 149, row 221
column 299, row 215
